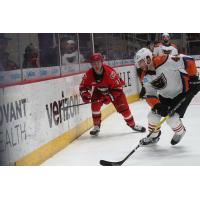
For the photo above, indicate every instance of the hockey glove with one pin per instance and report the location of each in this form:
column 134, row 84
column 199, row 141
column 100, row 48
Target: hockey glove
column 86, row 97
column 194, row 83
column 142, row 92
column 161, row 109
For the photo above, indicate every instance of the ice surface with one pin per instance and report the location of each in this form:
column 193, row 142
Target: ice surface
column 116, row 140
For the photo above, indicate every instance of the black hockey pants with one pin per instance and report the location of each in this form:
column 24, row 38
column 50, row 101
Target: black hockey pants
column 173, row 102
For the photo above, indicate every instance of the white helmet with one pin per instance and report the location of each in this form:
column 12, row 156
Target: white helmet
column 143, row 54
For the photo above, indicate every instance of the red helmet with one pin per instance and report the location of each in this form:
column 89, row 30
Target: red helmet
column 96, row 57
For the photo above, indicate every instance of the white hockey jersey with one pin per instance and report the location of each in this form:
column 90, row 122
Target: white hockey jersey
column 168, row 81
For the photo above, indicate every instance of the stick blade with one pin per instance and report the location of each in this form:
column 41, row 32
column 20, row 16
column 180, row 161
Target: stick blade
column 108, row 163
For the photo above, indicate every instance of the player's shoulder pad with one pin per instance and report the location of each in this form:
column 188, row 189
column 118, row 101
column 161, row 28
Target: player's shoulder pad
column 159, row 60
column 110, row 71
column 89, row 72
column 186, row 57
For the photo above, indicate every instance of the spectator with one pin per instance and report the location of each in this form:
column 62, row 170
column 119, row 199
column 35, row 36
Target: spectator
column 165, row 47
column 69, row 52
column 31, row 57
column 6, row 64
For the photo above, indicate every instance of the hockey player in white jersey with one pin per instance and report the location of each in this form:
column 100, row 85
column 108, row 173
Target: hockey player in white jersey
column 167, row 79
column 165, row 47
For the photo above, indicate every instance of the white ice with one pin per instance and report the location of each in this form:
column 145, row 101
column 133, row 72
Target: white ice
column 116, row 140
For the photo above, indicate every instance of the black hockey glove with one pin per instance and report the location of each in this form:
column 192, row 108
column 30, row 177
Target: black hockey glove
column 142, row 92
column 161, row 109
column 194, row 83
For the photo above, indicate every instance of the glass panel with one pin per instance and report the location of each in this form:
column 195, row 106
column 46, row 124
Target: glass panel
column 39, row 53
column 126, row 46
column 29, row 50
column 9, row 57
column 193, row 42
column 193, row 36
column 175, row 36
column 29, row 54
column 140, row 41
column 49, row 49
column 69, row 53
column 142, row 36
column 111, row 46
column 100, row 44
column 130, row 46
column 193, row 47
column 115, row 46
column 10, row 72
column 85, row 46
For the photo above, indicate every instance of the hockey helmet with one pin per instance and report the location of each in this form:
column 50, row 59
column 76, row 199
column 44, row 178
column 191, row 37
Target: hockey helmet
column 96, row 57
column 143, row 54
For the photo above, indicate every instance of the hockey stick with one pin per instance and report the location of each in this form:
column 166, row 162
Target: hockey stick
column 119, row 163
column 83, row 104
column 78, row 104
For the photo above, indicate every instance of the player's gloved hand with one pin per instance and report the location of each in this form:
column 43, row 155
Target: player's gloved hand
column 142, row 92
column 86, row 97
column 161, row 109
column 194, row 84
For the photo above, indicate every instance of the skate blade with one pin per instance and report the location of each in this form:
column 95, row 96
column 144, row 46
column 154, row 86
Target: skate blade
column 173, row 142
column 94, row 135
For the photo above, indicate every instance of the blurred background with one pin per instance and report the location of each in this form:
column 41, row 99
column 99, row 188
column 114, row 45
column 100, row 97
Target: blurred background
column 33, row 56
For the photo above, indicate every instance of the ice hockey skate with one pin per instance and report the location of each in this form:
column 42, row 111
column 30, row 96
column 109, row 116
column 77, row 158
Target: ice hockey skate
column 139, row 128
column 177, row 138
column 150, row 140
column 95, row 131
